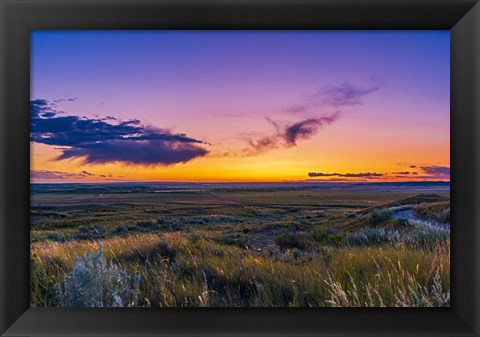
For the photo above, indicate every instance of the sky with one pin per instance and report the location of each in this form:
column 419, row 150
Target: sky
column 233, row 106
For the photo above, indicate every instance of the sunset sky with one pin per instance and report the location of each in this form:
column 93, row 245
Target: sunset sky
column 240, row 106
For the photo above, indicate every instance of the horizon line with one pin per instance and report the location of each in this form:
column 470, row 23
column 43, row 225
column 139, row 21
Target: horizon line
column 240, row 182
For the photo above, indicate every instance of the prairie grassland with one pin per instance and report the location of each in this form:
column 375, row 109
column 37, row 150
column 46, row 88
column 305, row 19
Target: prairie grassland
column 302, row 250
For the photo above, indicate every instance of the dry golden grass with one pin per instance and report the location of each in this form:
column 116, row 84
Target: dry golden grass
column 178, row 272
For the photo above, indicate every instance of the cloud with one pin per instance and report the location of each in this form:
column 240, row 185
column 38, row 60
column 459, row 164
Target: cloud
column 346, row 175
column 347, row 94
column 57, row 175
column 343, row 95
column 337, row 180
column 425, row 172
column 288, row 134
column 109, row 139
column 135, row 152
column 405, row 173
column 307, row 128
column 436, row 169
column 73, row 99
column 440, row 172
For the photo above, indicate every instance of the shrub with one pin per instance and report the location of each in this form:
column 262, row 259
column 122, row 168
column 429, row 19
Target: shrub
column 288, row 240
column 319, row 234
column 372, row 236
column 245, row 230
column 145, row 223
column 401, row 223
column 296, row 253
column 132, row 228
column 426, row 235
column 351, row 216
column 194, row 238
column 445, row 216
column 120, row 230
column 95, row 283
column 378, row 216
column 94, row 232
column 330, row 236
column 55, row 237
column 422, row 235
column 335, row 239
column 233, row 240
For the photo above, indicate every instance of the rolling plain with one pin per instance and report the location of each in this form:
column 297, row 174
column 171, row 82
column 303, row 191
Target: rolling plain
column 240, row 244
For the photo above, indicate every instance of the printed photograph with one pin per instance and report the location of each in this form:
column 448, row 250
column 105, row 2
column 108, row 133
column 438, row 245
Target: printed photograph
column 240, row 168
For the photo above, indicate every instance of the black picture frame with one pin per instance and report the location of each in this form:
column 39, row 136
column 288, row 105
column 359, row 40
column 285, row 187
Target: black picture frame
column 19, row 17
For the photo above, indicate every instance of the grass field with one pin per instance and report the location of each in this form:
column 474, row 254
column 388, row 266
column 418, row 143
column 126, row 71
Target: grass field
column 239, row 245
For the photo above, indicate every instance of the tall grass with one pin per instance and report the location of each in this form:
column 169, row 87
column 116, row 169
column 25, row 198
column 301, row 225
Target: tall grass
column 391, row 276
column 417, row 234
column 175, row 270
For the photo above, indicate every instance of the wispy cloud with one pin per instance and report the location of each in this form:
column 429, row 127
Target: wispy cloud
column 340, row 96
column 406, row 173
column 428, row 172
column 109, row 139
column 348, row 94
column 440, row 172
column 73, row 99
column 288, row 134
column 58, row 175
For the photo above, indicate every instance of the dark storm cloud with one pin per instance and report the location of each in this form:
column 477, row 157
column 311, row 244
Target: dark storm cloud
column 346, row 175
column 109, row 140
